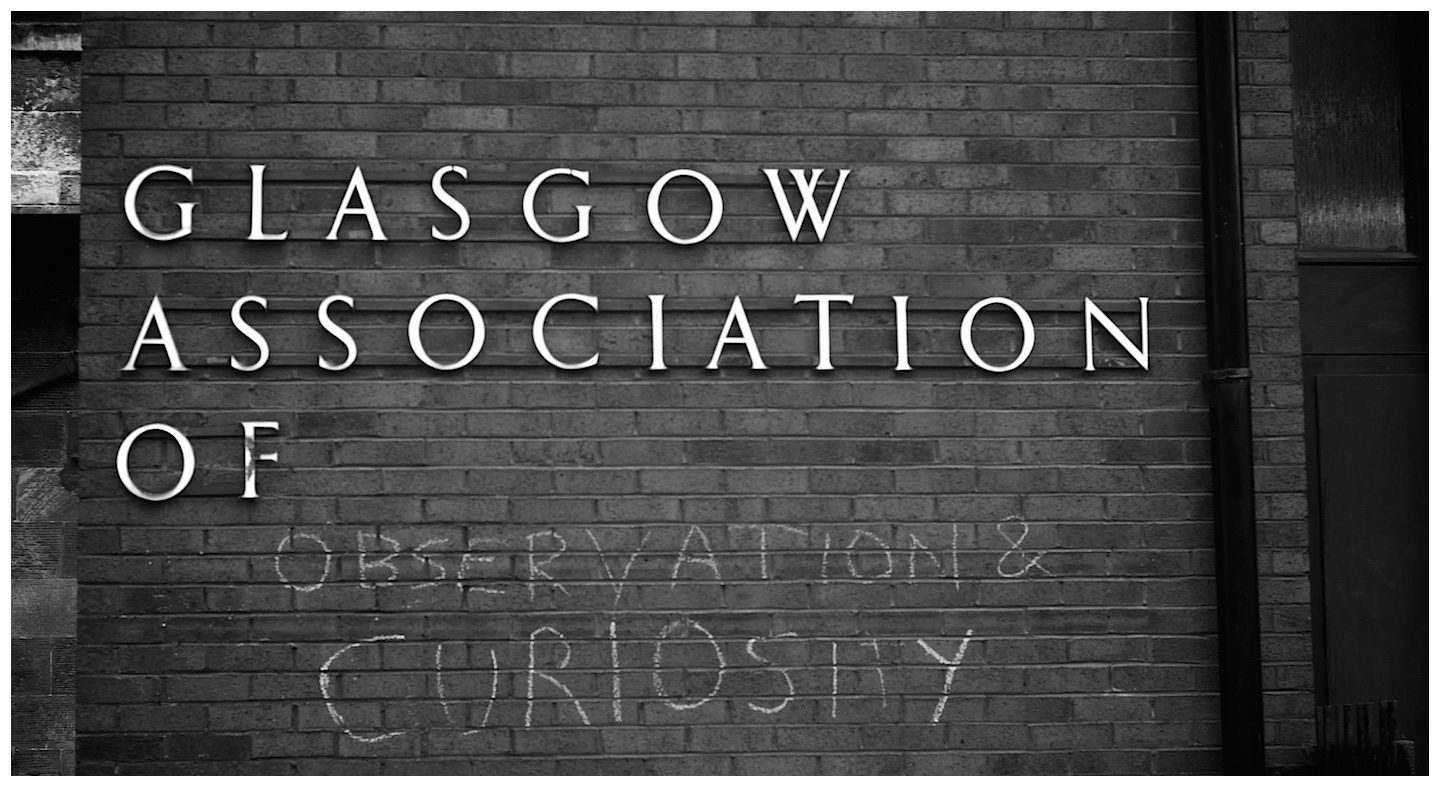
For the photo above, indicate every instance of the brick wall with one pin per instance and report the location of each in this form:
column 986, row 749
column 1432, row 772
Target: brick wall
column 42, row 569
column 511, row 568
column 1263, row 41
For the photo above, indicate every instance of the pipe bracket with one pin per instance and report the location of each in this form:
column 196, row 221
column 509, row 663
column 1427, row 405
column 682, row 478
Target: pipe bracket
column 1217, row 375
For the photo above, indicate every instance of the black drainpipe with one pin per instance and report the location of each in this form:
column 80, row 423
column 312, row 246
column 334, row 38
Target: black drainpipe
column 1228, row 382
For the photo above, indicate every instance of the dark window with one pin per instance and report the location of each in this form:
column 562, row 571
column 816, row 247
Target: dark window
column 1355, row 81
column 44, row 312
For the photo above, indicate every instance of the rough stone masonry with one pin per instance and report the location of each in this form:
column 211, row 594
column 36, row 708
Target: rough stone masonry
column 511, row 567
column 44, row 244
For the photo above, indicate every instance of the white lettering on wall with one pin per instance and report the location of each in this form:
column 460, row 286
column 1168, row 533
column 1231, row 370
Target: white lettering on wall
column 257, row 208
column 795, row 222
column 327, row 692
column 717, row 206
column 1026, row 326
column 357, row 188
column 1021, row 561
column 537, row 331
column 186, row 208
column 156, row 316
column 737, row 317
column 1141, row 354
column 781, row 671
column 537, row 567
column 583, row 211
column 951, row 665
column 323, row 314
column 438, row 187
column 531, row 674
column 289, row 541
column 665, row 634
column 187, row 463
column 477, row 337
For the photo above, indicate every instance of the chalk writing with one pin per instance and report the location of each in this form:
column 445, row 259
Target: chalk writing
column 884, row 698
column 884, row 549
column 305, row 561
column 685, row 556
column 666, row 633
column 537, row 568
column 917, row 548
column 494, row 685
column 289, row 541
column 429, row 566
column 446, row 704
column 955, row 553
column 1027, row 561
column 327, row 689
column 679, row 661
column 605, row 564
column 440, row 681
column 531, row 674
column 550, row 657
column 764, row 532
column 386, row 562
column 473, row 561
column 614, row 674
column 950, row 667
column 781, row 671
column 834, row 678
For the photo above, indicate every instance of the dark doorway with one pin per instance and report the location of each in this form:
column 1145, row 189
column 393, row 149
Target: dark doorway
column 44, row 251
column 1360, row 106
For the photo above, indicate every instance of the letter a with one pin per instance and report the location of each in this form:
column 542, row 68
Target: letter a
column 366, row 209
column 737, row 318
column 156, row 316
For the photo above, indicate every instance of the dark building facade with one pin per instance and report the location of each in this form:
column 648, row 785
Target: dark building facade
column 1038, row 449
column 44, row 322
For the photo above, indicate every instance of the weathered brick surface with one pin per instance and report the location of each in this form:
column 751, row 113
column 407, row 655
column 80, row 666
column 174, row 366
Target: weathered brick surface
column 514, row 569
column 42, row 542
column 45, row 117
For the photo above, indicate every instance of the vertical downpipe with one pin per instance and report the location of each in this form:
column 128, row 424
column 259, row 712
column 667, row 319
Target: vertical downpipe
column 1228, row 382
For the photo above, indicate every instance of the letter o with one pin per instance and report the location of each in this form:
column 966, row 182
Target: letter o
column 290, row 540
column 122, row 463
column 477, row 342
column 1025, row 325
column 659, row 682
column 717, row 206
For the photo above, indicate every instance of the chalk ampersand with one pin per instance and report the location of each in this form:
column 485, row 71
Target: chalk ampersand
column 1014, row 530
